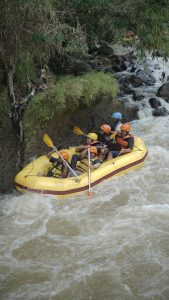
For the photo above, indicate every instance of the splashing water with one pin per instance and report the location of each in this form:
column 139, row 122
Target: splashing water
column 113, row 246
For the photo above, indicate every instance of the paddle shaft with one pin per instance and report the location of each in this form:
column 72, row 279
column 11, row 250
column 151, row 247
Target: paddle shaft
column 89, row 173
column 116, row 157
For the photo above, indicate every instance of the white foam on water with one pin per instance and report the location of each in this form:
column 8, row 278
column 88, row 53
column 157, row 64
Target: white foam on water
column 111, row 246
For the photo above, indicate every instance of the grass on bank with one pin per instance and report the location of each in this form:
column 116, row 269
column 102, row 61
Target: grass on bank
column 67, row 95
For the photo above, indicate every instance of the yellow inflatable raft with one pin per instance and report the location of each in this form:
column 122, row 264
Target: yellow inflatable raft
column 29, row 179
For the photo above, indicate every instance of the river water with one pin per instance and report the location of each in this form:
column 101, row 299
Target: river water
column 114, row 245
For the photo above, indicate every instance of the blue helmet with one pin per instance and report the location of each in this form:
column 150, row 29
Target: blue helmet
column 117, row 115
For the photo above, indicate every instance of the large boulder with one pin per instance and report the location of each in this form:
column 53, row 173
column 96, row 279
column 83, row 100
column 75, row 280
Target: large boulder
column 146, row 77
column 139, row 79
column 121, row 58
column 163, row 91
column 119, row 50
column 154, row 102
column 160, row 112
column 137, row 96
column 130, row 111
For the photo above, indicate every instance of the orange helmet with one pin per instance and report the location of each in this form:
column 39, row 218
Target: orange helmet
column 64, row 154
column 93, row 149
column 105, row 128
column 126, row 127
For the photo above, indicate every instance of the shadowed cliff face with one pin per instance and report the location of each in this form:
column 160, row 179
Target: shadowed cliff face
column 8, row 159
column 8, row 144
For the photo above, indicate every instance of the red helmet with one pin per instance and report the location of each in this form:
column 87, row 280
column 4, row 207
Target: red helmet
column 126, row 127
column 105, row 128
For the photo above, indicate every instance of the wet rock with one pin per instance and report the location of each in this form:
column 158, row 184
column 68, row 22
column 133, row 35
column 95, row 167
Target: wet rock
column 163, row 91
column 122, row 58
column 146, row 77
column 135, row 81
column 118, row 67
column 100, row 64
column 133, row 69
column 119, row 50
column 160, row 111
column 154, row 102
column 126, row 88
column 137, row 96
column 131, row 111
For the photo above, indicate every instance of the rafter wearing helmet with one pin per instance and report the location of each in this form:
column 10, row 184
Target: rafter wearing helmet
column 81, row 151
column 125, row 140
column 58, row 168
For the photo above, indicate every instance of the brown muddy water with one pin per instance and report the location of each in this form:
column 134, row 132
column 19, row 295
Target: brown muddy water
column 112, row 246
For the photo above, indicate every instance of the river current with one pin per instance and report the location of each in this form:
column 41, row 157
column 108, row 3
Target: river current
column 114, row 245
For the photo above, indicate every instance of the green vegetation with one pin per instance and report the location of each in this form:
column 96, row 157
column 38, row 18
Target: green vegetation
column 67, row 95
column 26, row 68
column 32, row 31
column 5, row 108
column 111, row 20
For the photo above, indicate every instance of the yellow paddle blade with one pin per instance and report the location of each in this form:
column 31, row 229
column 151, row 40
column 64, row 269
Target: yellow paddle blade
column 47, row 140
column 78, row 131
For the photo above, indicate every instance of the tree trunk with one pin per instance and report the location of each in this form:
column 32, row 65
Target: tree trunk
column 10, row 83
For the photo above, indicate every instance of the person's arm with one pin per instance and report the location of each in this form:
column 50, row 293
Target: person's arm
column 80, row 148
column 50, row 153
column 130, row 146
column 65, row 170
column 124, row 151
column 53, row 160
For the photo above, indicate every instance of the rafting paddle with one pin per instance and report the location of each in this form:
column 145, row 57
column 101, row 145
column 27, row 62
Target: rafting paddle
column 78, row 131
column 47, row 140
column 89, row 174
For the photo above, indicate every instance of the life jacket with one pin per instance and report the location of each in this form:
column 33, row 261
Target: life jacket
column 55, row 171
column 104, row 139
column 83, row 166
column 122, row 140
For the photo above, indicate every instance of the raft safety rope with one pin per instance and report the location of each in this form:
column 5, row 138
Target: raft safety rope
column 28, row 174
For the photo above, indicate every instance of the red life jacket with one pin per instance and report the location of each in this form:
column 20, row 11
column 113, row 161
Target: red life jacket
column 122, row 140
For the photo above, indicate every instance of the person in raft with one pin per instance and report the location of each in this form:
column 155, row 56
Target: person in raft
column 124, row 140
column 81, row 150
column 58, row 168
column 94, row 160
column 104, row 137
column 117, row 117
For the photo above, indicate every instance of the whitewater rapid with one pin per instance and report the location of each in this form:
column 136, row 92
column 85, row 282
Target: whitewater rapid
column 111, row 246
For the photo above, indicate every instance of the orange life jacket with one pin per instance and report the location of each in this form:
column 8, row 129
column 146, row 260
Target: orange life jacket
column 122, row 140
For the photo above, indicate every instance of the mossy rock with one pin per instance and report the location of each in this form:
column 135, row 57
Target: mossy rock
column 5, row 108
column 67, row 95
